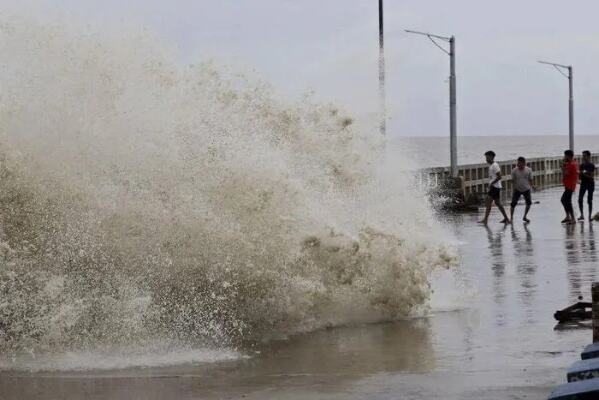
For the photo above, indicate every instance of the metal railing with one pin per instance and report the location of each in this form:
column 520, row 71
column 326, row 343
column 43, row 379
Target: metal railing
column 475, row 177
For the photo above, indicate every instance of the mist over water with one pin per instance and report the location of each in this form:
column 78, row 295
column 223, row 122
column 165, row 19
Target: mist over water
column 146, row 204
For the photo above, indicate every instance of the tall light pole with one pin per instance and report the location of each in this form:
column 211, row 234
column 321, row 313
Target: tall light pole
column 453, row 127
column 382, row 100
column 560, row 68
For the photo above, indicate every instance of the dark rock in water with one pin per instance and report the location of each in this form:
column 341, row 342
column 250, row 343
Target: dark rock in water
column 450, row 194
column 576, row 312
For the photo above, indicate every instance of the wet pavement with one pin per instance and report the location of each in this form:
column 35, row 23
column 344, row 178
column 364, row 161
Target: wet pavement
column 491, row 334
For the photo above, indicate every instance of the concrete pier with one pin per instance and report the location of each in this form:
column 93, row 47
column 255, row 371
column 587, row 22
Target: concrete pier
column 475, row 181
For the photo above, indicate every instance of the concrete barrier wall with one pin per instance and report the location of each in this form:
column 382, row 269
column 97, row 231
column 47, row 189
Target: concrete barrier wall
column 475, row 180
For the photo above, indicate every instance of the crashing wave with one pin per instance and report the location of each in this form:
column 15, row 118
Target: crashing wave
column 143, row 200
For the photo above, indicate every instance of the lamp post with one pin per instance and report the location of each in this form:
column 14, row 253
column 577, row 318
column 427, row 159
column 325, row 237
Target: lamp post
column 382, row 96
column 560, row 68
column 453, row 144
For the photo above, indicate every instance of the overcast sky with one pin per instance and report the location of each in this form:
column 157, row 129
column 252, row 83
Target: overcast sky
column 331, row 47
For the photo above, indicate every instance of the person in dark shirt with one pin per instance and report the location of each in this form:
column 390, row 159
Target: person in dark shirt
column 587, row 184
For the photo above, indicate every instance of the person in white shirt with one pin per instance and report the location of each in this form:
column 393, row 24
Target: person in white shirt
column 494, row 194
column 523, row 183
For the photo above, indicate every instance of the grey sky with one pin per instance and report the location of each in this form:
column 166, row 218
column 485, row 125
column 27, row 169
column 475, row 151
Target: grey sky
column 330, row 47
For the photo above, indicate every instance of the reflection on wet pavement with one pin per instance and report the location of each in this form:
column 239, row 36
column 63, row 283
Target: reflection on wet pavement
column 524, row 253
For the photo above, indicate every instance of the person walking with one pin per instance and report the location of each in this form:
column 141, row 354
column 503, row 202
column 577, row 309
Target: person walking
column 494, row 194
column 587, row 184
column 523, row 184
column 570, row 179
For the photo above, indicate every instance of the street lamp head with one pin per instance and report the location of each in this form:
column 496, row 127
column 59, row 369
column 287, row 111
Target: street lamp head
column 554, row 64
column 430, row 35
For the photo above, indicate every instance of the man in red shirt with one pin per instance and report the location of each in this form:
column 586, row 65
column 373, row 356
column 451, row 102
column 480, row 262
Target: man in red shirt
column 570, row 171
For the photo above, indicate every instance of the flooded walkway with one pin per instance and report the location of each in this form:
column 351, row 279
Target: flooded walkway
column 490, row 336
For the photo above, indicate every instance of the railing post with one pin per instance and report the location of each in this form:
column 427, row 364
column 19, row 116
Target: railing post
column 595, row 309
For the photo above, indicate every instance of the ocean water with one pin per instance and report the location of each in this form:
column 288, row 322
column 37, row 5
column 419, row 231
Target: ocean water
column 434, row 151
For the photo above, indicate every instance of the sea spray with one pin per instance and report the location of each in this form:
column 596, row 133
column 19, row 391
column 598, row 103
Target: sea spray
column 143, row 201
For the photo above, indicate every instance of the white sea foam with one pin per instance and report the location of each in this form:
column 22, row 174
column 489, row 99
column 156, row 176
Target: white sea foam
column 143, row 200
column 123, row 359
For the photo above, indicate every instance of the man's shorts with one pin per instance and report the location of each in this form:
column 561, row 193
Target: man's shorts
column 516, row 196
column 494, row 193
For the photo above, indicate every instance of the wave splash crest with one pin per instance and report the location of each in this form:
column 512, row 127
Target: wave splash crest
column 142, row 200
